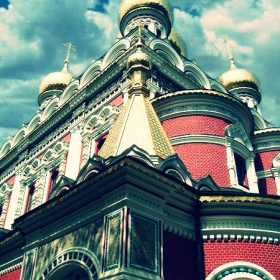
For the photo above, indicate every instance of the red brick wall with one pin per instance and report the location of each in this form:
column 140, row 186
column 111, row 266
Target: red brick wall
column 117, row 101
column 14, row 275
column 202, row 159
column 267, row 186
column 264, row 255
column 263, row 161
column 179, row 258
column 196, row 124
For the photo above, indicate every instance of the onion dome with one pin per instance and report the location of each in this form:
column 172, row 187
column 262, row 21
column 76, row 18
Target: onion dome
column 178, row 42
column 138, row 67
column 139, row 58
column 162, row 5
column 55, row 81
column 237, row 78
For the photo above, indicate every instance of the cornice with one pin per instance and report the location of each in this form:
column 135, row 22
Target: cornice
column 11, row 268
column 246, row 237
column 124, row 171
column 206, row 102
column 241, row 198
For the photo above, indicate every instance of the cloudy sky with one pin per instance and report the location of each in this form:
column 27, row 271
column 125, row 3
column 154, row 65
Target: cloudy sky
column 32, row 33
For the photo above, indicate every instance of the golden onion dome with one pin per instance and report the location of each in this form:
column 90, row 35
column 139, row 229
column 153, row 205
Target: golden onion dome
column 162, row 5
column 178, row 42
column 139, row 58
column 55, row 81
column 236, row 78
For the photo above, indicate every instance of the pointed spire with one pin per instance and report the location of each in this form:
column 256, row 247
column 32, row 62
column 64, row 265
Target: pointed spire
column 231, row 58
column 138, row 123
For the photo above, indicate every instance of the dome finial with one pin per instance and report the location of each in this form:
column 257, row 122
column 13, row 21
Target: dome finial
column 231, row 58
column 70, row 47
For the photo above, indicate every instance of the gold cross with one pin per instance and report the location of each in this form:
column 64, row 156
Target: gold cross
column 140, row 25
column 70, row 47
column 226, row 41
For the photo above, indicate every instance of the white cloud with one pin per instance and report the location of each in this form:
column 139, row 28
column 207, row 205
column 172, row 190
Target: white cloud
column 33, row 32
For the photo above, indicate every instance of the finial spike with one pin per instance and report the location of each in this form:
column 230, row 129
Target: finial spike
column 140, row 25
column 70, row 47
column 231, row 58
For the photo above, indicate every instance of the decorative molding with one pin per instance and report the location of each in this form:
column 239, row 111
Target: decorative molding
column 241, row 238
column 11, row 268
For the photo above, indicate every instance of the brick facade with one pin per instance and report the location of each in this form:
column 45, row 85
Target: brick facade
column 203, row 158
column 267, row 186
column 196, row 124
column 180, row 257
column 13, row 275
column 264, row 255
column 117, row 101
column 263, row 161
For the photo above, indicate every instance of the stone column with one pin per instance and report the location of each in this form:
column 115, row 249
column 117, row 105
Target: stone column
column 275, row 172
column 11, row 215
column 251, row 175
column 74, row 155
column 231, row 163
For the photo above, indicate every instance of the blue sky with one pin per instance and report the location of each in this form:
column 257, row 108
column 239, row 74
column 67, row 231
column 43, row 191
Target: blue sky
column 32, row 34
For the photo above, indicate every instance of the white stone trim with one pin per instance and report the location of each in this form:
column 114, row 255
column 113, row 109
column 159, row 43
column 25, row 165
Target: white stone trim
column 217, row 271
column 240, row 238
column 10, row 268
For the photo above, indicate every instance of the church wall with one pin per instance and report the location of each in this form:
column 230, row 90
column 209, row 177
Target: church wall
column 117, row 101
column 13, row 275
column 203, row 158
column 264, row 255
column 267, row 186
column 180, row 260
column 263, row 161
column 196, row 124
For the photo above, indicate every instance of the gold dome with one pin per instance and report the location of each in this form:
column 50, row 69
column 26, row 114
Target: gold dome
column 162, row 5
column 236, row 78
column 178, row 42
column 139, row 58
column 55, row 81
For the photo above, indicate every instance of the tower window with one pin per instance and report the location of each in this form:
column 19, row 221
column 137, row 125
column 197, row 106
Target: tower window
column 30, row 196
column 240, row 169
column 158, row 33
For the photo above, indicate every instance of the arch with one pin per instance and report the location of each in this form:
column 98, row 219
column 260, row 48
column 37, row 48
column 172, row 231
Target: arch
column 120, row 46
column 19, row 136
column 62, row 190
column 93, row 70
column 105, row 112
column 58, row 147
column 91, row 123
column 167, row 51
column 174, row 173
column 50, row 109
column 77, row 257
column 71, row 89
column 6, row 148
column 35, row 122
column 197, row 74
column 258, row 120
column 276, row 161
column 47, row 156
column 240, row 270
column 215, row 85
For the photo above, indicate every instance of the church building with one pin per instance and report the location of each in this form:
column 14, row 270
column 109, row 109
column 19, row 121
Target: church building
column 143, row 167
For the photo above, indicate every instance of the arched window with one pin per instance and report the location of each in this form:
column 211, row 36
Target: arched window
column 30, row 195
column 240, row 169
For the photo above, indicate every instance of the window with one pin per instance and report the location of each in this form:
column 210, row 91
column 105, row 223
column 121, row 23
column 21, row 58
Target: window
column 30, row 195
column 240, row 169
column 54, row 177
column 158, row 33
